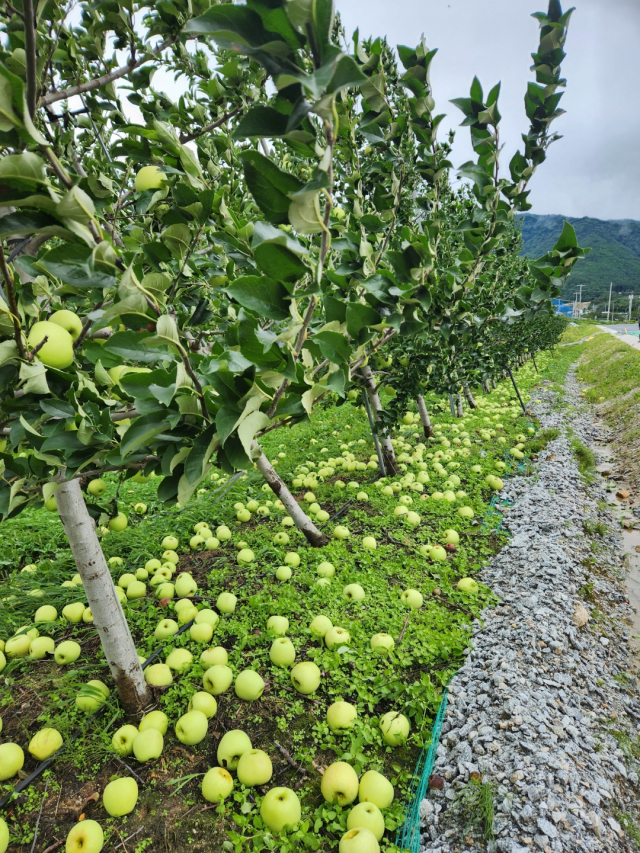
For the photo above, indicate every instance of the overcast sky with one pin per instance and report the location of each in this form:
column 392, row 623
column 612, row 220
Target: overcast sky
column 595, row 169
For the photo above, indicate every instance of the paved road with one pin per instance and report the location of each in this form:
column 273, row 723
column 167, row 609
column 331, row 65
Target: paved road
column 626, row 333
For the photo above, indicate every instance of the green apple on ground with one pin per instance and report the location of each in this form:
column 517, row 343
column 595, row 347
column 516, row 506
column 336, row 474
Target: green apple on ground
column 205, row 702
column 359, row 840
column 45, row 743
column 217, row 679
column 158, row 675
column 165, row 629
column 412, row 598
column 320, row 625
column 382, row 644
column 179, row 660
column 67, row 652
column 353, row 592
column 341, row 715
column 73, row 612
column 120, row 796
column 232, row 747
column 282, row 652
column 278, row 624
column 85, row 837
column 279, row 808
column 249, row 685
column 191, row 728
column 40, row 648
column 18, row 647
column 369, row 816
column 337, row 636
column 226, row 602
column 155, row 720
column 254, row 768
column 148, row 745
column 339, row 783
column 4, row 836
column 468, row 585
column 305, row 677
column 92, row 696
column 122, row 740
column 201, row 632
column 11, row 760
column 216, row 655
column 375, row 788
column 395, row 728
column 217, row 785
column 170, row 543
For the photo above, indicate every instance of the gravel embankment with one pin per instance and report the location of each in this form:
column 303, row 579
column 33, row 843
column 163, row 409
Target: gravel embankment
column 535, row 702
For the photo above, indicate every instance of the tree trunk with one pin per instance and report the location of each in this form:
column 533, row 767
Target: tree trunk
column 459, row 405
column 301, row 520
column 469, row 396
column 425, row 420
column 493, row 384
column 390, row 464
column 108, row 616
column 486, row 387
column 452, row 406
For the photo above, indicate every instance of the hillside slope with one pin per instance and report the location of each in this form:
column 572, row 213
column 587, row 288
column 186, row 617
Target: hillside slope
column 614, row 256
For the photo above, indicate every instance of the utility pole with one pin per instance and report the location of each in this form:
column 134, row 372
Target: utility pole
column 630, row 304
column 609, row 308
column 575, row 305
column 580, row 300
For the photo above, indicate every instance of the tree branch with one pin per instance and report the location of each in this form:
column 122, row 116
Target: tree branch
column 189, row 137
column 30, row 50
column 98, row 82
column 13, row 305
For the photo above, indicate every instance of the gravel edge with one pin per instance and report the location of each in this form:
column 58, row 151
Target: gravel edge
column 534, row 705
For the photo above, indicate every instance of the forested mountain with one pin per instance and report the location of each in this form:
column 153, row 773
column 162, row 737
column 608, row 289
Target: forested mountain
column 614, row 256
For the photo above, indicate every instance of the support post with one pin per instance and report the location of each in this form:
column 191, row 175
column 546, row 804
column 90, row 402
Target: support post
column 374, row 434
column 108, row 616
column 533, row 359
column 301, row 520
column 390, row 464
column 524, row 410
column 425, row 420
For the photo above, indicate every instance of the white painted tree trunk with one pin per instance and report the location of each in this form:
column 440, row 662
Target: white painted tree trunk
column 452, row 405
column 425, row 420
column 388, row 452
column 108, row 616
column 486, row 387
column 469, row 396
column 301, row 520
column 459, row 405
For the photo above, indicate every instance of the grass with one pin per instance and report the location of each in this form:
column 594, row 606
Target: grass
column 542, row 439
column 475, row 807
column 630, row 827
column 34, row 694
column 585, row 456
column 597, row 528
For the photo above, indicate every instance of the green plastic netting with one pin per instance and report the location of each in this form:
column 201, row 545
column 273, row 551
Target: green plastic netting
column 408, row 837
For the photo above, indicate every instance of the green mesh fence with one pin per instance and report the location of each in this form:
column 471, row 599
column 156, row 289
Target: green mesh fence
column 408, row 837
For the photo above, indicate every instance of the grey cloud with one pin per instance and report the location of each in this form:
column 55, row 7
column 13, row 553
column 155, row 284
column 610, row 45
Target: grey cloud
column 592, row 171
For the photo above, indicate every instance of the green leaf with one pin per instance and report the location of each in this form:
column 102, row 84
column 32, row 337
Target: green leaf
column 278, row 262
column 262, row 295
column 231, row 26
column 142, row 430
column 166, row 329
column 567, row 240
column 269, row 185
column 74, row 264
column 8, row 351
column 304, row 213
column 261, row 121
column 130, row 347
column 204, row 445
column 247, row 430
column 22, row 170
column 34, row 377
column 177, row 238
column 347, row 74
column 226, row 419
column 359, row 317
column 32, row 222
column 333, row 346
